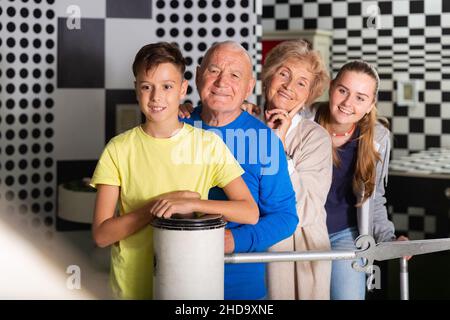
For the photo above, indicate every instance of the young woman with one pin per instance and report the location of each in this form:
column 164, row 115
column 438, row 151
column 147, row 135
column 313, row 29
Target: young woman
column 361, row 146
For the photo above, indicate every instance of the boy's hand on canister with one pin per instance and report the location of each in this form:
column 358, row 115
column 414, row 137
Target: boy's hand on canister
column 185, row 110
column 165, row 208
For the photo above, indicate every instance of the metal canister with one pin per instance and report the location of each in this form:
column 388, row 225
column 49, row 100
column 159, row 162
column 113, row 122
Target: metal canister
column 189, row 258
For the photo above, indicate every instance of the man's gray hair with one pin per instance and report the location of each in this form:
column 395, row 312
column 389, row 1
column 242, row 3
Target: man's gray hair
column 230, row 44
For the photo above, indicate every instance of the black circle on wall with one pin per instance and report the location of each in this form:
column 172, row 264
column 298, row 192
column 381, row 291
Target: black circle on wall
column 188, row 4
column 10, row 57
column 36, row 163
column 36, row 88
column 23, row 58
column 23, row 149
column 48, row 147
column 35, row 178
column 36, row 118
column 49, row 118
column 35, row 208
column 216, row 32
column 23, row 118
column 231, row 3
column 174, row 32
column 49, row 44
column 37, row 13
column 10, row 42
column 9, row 150
column 36, row 58
column 9, row 134
column 23, row 88
column 244, row 32
column 37, row 43
column 49, row 103
column 187, row 46
column 174, row 4
column 244, row 3
column 49, row 73
column 216, row 17
column 160, row 18
column 202, row 4
column 36, row 103
column 23, row 134
column 202, row 17
column 23, row 194
column 9, row 180
column 36, row 73
column 10, row 88
column 188, row 61
column 216, row 3
column 201, row 46
column 23, row 103
column 35, row 193
column 48, row 207
column 48, row 192
column 188, row 75
column 188, row 17
column 244, row 17
column 10, row 103
column 23, row 73
column 230, row 32
column 23, row 179
column 230, row 17
column 11, row 27
column 49, row 58
column 48, row 162
column 35, row 148
column 36, row 133
column 160, row 4
column 188, row 32
column 24, row 12
column 23, row 42
column 10, row 119
column 48, row 177
column 37, row 28
column 11, row 11
column 201, row 32
column 50, row 29
column 10, row 73
column 50, row 14
column 24, row 27
column 174, row 18
column 49, row 132
column 160, row 32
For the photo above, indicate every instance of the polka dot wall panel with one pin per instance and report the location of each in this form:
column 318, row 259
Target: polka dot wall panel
column 404, row 39
column 65, row 73
column 27, row 118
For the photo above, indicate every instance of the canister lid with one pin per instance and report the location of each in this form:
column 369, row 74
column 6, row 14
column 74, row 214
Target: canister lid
column 204, row 222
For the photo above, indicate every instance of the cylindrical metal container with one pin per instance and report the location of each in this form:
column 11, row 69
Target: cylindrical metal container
column 189, row 258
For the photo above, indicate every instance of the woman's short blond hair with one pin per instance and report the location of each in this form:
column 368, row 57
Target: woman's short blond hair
column 300, row 50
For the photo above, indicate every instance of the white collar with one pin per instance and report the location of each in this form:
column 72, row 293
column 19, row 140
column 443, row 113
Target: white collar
column 294, row 123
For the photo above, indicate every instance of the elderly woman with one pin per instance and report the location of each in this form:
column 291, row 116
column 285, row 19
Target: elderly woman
column 293, row 77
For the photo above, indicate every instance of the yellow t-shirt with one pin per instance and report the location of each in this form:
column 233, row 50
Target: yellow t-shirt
column 145, row 167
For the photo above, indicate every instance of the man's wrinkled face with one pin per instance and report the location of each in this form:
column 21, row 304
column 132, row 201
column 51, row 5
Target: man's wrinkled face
column 225, row 80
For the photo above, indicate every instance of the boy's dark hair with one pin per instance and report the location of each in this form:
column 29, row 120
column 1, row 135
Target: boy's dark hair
column 153, row 54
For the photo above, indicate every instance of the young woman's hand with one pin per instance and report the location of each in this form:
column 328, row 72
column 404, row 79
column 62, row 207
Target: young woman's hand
column 185, row 110
column 403, row 238
column 251, row 108
column 165, row 208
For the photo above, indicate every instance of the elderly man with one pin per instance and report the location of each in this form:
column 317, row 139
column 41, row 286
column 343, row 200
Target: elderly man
column 224, row 80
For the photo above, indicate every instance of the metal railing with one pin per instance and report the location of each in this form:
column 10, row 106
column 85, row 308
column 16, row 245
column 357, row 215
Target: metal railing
column 368, row 250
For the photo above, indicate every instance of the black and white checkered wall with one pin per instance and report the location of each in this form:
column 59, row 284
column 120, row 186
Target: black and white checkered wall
column 411, row 41
column 65, row 70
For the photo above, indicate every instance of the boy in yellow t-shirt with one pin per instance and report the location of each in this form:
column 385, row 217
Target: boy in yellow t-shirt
column 160, row 168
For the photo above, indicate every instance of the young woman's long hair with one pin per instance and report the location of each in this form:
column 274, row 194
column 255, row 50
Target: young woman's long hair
column 367, row 157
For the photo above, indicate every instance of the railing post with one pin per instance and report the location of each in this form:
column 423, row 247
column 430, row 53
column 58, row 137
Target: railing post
column 404, row 281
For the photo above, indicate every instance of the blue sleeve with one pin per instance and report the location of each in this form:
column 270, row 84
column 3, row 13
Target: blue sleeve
column 278, row 215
